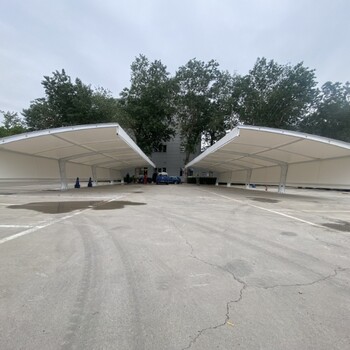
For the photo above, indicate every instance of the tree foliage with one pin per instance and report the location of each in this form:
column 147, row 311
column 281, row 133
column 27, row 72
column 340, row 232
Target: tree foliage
column 274, row 95
column 332, row 116
column 148, row 104
column 202, row 103
column 13, row 124
column 69, row 103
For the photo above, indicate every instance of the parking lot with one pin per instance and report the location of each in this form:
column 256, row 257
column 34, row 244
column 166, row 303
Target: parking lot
column 174, row 267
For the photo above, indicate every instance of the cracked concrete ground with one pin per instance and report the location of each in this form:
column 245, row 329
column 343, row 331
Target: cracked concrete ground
column 174, row 267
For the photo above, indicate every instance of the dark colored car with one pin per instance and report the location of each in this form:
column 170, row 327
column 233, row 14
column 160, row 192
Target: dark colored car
column 174, row 179
column 162, row 178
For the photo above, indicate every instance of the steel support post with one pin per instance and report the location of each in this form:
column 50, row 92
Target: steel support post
column 63, row 176
column 111, row 176
column 229, row 183
column 249, row 176
column 94, row 175
column 283, row 179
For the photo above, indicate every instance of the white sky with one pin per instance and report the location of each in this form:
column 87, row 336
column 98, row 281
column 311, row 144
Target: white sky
column 97, row 40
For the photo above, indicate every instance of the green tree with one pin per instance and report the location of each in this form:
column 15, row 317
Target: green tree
column 148, row 104
column 221, row 113
column 274, row 95
column 70, row 103
column 39, row 115
column 202, row 103
column 13, row 124
column 332, row 115
column 105, row 107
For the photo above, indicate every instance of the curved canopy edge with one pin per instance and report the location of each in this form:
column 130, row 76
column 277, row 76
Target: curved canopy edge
column 101, row 145
column 261, row 153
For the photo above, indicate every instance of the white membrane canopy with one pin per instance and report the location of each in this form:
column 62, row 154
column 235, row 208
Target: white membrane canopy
column 99, row 146
column 261, row 155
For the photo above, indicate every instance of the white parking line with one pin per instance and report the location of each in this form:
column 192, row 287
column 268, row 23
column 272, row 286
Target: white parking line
column 16, row 226
column 326, row 211
column 36, row 228
column 266, row 209
column 51, row 222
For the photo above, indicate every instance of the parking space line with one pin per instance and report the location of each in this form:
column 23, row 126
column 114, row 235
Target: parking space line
column 51, row 222
column 16, row 226
column 266, row 209
column 326, row 211
column 36, row 228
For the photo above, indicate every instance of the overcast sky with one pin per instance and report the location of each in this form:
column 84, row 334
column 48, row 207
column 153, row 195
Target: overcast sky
column 97, row 40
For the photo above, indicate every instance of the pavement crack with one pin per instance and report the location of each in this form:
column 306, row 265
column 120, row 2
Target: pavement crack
column 237, row 279
column 322, row 279
column 191, row 247
column 228, row 304
column 227, row 318
column 200, row 332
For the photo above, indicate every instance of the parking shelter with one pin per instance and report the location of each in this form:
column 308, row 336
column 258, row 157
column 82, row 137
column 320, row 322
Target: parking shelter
column 265, row 156
column 100, row 151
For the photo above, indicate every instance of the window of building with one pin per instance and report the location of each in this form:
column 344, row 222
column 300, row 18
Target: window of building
column 161, row 148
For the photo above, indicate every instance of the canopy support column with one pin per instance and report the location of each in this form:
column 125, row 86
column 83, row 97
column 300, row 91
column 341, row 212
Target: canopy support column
column 111, row 176
column 283, row 178
column 230, row 181
column 249, row 176
column 63, row 175
column 94, row 174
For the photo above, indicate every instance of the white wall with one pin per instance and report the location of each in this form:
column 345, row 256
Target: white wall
column 269, row 176
column 19, row 167
column 233, row 177
column 333, row 173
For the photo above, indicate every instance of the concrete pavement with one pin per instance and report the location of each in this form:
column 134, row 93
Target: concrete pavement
column 174, row 267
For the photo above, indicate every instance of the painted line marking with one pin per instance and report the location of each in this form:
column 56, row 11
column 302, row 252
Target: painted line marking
column 36, row 228
column 200, row 274
column 326, row 211
column 313, row 211
column 200, row 285
column 268, row 210
column 17, row 226
column 52, row 222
